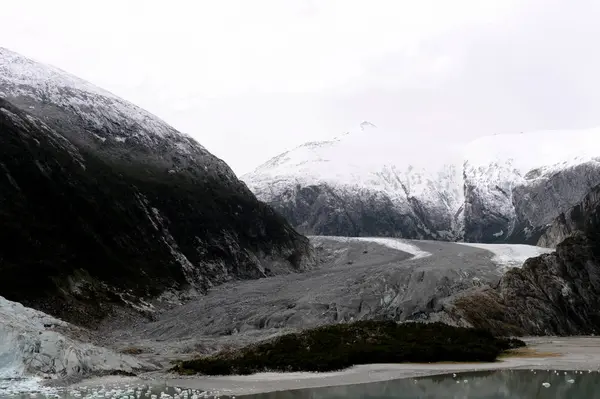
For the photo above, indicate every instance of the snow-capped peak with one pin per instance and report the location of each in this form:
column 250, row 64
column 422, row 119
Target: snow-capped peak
column 20, row 70
column 365, row 125
column 360, row 163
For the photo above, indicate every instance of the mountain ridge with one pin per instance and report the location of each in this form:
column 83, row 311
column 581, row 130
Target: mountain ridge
column 478, row 191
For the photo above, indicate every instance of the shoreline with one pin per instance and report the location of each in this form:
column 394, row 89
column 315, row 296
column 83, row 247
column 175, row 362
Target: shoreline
column 564, row 353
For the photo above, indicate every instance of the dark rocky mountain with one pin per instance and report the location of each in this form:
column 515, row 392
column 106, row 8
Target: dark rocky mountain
column 583, row 217
column 552, row 294
column 102, row 203
column 326, row 210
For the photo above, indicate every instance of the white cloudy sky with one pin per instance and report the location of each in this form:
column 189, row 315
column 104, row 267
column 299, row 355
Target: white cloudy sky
column 251, row 78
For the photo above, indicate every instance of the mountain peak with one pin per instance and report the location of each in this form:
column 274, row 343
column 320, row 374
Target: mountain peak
column 365, row 125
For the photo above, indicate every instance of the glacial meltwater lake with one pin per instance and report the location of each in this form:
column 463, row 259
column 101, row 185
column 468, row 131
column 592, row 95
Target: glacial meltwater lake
column 515, row 384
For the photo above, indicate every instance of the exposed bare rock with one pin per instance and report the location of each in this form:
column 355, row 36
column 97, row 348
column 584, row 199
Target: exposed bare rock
column 583, row 217
column 552, row 294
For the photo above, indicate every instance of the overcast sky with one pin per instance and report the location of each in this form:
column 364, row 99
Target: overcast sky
column 252, row 78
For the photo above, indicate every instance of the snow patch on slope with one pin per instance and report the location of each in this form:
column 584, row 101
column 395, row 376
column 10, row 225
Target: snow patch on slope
column 510, row 255
column 394, row 243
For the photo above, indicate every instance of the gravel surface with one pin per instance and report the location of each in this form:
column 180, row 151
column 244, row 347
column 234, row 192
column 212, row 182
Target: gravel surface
column 357, row 279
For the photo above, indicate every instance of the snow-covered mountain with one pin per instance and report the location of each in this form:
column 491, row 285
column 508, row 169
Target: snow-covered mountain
column 105, row 203
column 517, row 184
column 371, row 182
column 97, row 120
column 364, row 183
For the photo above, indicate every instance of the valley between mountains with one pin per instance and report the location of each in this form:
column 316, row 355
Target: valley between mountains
column 133, row 246
column 356, row 279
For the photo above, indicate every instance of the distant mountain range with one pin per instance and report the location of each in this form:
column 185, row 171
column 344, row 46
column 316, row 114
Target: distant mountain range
column 502, row 188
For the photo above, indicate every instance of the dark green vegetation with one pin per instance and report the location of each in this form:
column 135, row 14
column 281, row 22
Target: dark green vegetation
column 81, row 231
column 339, row 346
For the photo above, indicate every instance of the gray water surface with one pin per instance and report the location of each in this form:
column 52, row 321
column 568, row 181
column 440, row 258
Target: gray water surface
column 515, row 384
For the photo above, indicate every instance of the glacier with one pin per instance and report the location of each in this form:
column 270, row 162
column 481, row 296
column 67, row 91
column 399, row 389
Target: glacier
column 36, row 346
column 507, row 256
column 393, row 243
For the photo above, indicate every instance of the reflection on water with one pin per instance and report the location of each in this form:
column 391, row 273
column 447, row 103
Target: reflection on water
column 517, row 384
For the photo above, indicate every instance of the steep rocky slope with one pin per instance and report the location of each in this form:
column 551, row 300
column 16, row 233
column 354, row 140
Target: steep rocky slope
column 583, row 217
column 553, row 294
column 556, row 293
column 504, row 188
column 512, row 195
column 104, row 203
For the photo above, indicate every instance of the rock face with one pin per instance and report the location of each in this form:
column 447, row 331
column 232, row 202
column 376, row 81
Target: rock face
column 582, row 217
column 104, row 203
column 505, row 188
column 326, row 210
column 503, row 204
column 552, row 294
